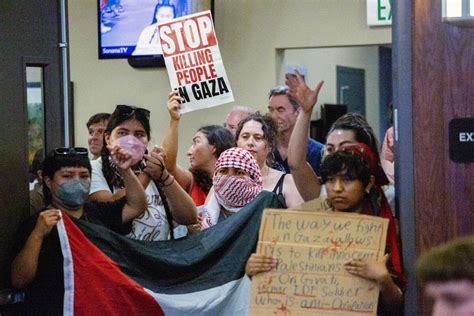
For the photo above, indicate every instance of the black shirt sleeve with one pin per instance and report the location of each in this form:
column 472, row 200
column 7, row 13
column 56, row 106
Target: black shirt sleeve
column 108, row 214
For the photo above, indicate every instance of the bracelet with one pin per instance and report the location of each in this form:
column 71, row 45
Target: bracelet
column 163, row 180
column 163, row 184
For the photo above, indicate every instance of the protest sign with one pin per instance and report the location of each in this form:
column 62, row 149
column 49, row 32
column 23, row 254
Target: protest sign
column 312, row 248
column 194, row 62
column 316, row 205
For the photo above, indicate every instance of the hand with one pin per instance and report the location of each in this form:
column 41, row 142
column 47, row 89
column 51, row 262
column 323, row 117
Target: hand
column 369, row 269
column 299, row 90
column 259, row 263
column 155, row 165
column 174, row 105
column 121, row 157
column 194, row 228
column 46, row 221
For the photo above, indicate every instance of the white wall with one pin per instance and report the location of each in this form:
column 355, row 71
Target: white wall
column 249, row 34
column 322, row 62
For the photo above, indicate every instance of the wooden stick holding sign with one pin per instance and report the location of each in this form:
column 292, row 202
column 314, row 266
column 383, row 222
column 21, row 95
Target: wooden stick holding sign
column 311, row 248
column 194, row 62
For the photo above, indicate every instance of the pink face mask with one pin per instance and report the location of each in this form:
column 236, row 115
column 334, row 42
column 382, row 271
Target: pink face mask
column 134, row 146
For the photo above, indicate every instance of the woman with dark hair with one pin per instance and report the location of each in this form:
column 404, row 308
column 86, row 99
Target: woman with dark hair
column 37, row 265
column 348, row 177
column 257, row 134
column 149, row 40
column 129, row 127
column 349, row 129
column 208, row 143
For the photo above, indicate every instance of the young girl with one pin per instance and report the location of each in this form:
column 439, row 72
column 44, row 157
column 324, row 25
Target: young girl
column 347, row 175
column 131, row 125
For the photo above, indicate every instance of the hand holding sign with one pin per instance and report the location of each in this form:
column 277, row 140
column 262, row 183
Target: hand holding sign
column 174, row 105
column 319, row 254
column 194, row 63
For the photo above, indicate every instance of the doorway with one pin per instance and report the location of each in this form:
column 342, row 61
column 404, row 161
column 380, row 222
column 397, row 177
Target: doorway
column 31, row 105
column 350, row 83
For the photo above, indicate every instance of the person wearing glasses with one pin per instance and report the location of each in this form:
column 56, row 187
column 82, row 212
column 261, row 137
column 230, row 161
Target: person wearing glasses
column 284, row 109
column 129, row 127
column 37, row 266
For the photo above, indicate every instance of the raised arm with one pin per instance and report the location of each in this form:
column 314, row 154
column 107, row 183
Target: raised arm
column 100, row 190
column 136, row 198
column 25, row 265
column 181, row 205
column 291, row 193
column 170, row 144
column 306, row 180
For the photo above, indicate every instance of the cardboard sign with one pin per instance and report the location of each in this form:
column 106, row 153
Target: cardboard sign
column 310, row 278
column 194, row 62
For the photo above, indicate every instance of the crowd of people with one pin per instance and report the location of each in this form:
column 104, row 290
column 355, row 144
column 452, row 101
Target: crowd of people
column 143, row 193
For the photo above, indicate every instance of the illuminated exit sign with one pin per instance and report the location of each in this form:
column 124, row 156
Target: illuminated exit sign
column 379, row 12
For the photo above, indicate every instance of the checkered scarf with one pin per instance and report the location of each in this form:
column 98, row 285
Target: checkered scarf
column 234, row 192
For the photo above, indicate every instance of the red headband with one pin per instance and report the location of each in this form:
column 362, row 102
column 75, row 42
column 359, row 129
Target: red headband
column 385, row 211
column 369, row 156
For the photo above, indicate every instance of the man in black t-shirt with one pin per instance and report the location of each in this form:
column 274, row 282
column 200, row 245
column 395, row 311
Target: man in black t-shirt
column 37, row 266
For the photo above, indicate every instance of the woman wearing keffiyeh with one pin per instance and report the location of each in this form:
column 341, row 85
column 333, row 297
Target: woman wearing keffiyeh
column 237, row 181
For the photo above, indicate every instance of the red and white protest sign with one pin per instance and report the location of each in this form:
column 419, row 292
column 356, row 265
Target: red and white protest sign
column 194, row 62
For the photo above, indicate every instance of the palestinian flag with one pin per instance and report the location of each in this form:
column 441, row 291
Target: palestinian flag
column 203, row 274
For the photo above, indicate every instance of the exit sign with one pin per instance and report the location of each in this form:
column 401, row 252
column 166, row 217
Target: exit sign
column 379, row 12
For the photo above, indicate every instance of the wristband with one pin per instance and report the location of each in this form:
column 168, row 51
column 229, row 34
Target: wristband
column 163, row 184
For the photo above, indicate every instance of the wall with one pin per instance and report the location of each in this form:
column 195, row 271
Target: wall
column 249, row 34
column 322, row 62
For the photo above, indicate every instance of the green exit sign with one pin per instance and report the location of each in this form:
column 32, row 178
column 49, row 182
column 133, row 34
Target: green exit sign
column 379, row 12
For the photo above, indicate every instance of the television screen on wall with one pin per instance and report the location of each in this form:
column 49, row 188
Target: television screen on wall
column 128, row 28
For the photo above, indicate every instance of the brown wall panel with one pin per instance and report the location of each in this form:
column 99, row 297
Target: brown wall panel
column 443, row 89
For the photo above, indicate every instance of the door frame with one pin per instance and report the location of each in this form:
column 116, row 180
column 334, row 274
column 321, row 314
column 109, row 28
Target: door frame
column 402, row 112
column 54, row 134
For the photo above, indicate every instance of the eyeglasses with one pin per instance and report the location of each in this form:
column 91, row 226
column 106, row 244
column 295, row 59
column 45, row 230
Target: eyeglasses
column 70, row 151
column 278, row 90
column 128, row 110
